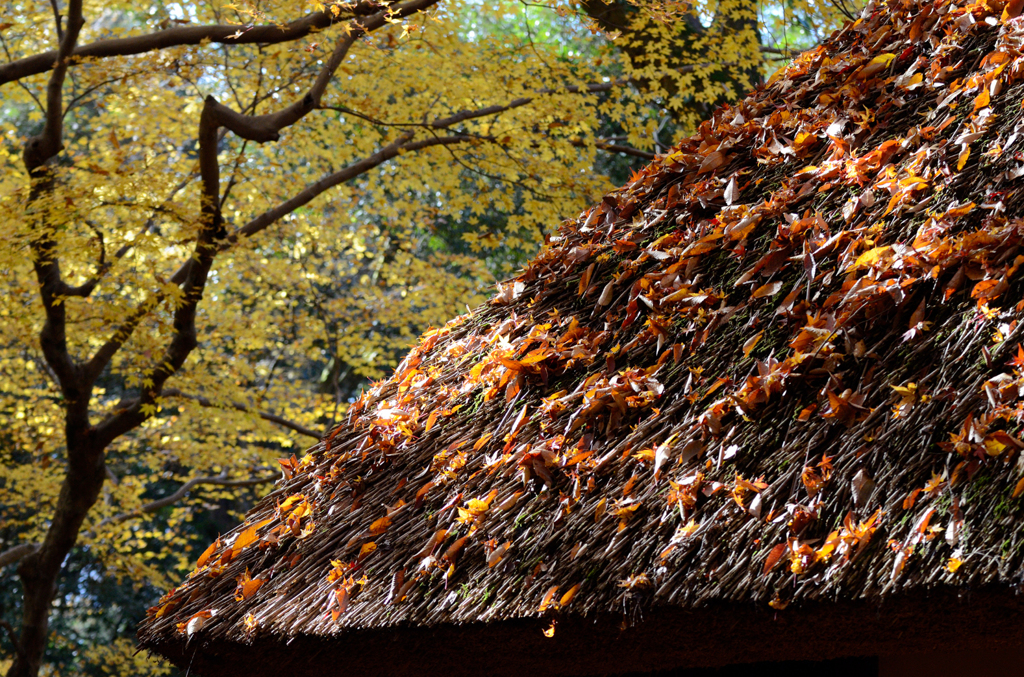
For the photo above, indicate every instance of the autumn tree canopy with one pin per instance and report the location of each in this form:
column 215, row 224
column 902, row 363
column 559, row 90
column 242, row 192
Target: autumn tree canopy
column 221, row 219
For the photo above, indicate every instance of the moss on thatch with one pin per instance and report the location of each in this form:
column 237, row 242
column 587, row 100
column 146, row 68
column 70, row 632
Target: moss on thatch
column 778, row 368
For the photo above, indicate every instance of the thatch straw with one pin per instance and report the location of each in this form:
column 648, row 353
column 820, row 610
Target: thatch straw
column 770, row 369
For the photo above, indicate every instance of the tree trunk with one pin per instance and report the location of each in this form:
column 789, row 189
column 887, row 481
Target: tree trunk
column 39, row 571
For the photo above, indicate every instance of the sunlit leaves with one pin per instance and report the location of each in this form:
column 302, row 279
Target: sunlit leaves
column 247, row 586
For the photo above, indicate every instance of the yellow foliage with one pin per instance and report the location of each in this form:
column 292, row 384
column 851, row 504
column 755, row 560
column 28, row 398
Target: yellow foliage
column 120, row 658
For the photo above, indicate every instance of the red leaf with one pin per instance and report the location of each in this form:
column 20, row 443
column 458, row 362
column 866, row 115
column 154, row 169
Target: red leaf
column 774, row 557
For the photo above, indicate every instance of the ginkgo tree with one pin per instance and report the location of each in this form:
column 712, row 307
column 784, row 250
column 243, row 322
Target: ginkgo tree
column 221, row 218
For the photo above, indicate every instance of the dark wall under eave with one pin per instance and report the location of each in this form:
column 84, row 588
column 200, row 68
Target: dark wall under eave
column 936, row 664
column 964, row 664
column 988, row 622
column 839, row 667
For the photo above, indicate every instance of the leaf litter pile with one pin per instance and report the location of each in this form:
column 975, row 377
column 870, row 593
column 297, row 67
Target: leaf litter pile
column 783, row 363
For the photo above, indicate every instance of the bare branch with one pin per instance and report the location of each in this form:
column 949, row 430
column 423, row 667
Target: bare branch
column 616, row 148
column 788, row 53
column 446, row 122
column 627, row 150
column 220, row 480
column 98, row 362
column 17, row 553
column 402, row 144
column 13, row 636
column 57, row 19
column 266, row 416
column 226, row 34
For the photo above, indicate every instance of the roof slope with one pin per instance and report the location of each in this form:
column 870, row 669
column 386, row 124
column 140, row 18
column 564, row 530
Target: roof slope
column 773, row 368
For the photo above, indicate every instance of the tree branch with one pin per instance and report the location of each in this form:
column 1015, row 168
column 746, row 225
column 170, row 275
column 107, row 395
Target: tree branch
column 86, row 471
column 57, row 19
column 153, row 506
column 266, row 416
column 49, row 140
column 218, row 480
column 83, row 479
column 616, row 148
column 210, row 241
column 17, row 553
column 39, row 151
column 183, row 340
column 788, row 53
column 446, row 122
column 267, row 34
column 13, row 636
column 103, row 355
column 101, row 358
column 264, row 128
column 259, row 128
column 402, row 144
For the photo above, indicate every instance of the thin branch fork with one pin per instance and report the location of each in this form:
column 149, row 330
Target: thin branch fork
column 403, row 144
column 266, row 416
column 220, row 480
column 264, row 128
column 615, row 148
column 13, row 636
column 19, row 552
column 603, row 144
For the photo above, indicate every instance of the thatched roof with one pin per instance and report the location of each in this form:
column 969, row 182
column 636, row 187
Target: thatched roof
column 770, row 389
